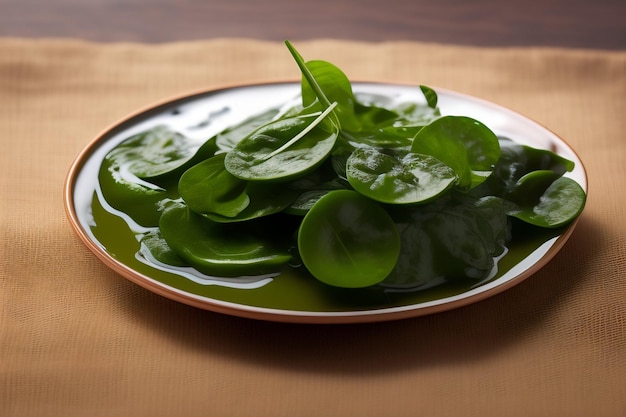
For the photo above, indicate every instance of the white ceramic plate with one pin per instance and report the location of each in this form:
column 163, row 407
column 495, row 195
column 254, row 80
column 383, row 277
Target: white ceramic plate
column 289, row 297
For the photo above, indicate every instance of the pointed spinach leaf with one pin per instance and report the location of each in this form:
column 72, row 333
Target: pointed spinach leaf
column 558, row 204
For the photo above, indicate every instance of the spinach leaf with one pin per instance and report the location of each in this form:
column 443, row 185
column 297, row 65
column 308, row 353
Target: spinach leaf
column 466, row 145
column 312, row 82
column 264, row 199
column 530, row 181
column 226, row 250
column 347, row 240
column 336, row 88
column 283, row 149
column 516, row 161
column 139, row 199
column 313, row 186
column 158, row 151
column 307, row 199
column 528, row 188
column 558, row 204
column 398, row 177
column 228, row 138
column 380, row 112
column 386, row 137
column 209, row 188
column 454, row 237
column 413, row 116
column 141, row 172
column 154, row 243
column 388, row 128
column 430, row 95
column 371, row 117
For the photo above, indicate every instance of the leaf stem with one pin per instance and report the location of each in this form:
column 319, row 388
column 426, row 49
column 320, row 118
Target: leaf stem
column 303, row 132
column 306, row 72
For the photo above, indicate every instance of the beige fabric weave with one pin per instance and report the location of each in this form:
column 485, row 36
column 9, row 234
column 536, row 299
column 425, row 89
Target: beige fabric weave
column 76, row 339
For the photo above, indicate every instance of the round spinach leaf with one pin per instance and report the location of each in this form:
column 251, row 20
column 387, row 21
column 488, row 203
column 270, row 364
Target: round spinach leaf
column 466, row 145
column 398, row 178
column 347, row 240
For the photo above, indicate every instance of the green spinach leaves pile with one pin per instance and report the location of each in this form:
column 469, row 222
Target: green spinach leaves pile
column 356, row 192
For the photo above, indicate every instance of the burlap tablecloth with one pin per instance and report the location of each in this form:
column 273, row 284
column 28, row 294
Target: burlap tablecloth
column 76, row 339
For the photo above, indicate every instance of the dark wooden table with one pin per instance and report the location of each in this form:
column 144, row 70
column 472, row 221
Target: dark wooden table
column 595, row 24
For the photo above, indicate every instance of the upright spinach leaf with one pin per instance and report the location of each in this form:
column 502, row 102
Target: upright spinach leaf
column 430, row 95
column 312, row 82
column 336, row 87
